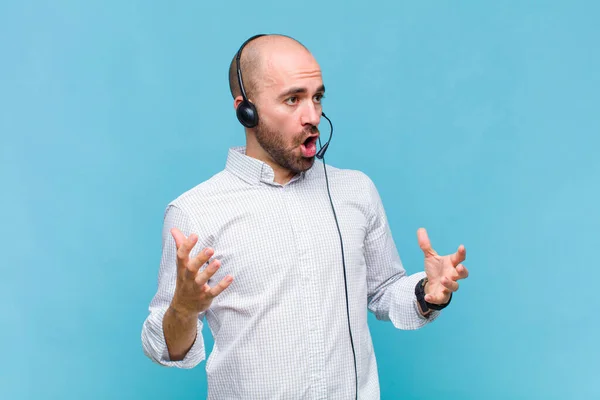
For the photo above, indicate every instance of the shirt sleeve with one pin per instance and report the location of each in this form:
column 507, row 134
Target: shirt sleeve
column 391, row 292
column 153, row 339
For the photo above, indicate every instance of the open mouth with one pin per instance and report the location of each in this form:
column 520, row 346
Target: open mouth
column 309, row 147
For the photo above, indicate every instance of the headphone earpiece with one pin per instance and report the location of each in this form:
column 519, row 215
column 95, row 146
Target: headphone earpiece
column 247, row 114
column 245, row 111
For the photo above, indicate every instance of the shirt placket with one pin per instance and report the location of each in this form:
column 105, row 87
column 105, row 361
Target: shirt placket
column 308, row 265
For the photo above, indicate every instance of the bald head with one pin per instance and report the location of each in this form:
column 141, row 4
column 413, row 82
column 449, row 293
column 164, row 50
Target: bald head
column 255, row 59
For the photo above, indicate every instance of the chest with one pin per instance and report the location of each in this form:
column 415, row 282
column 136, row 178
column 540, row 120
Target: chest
column 273, row 239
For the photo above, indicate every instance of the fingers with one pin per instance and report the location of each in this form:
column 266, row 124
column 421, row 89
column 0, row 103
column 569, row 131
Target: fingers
column 449, row 284
column 459, row 256
column 435, row 299
column 202, row 277
column 224, row 284
column 424, row 243
column 197, row 262
column 215, row 291
column 441, row 290
column 462, row 271
column 441, row 296
column 178, row 236
column 184, row 246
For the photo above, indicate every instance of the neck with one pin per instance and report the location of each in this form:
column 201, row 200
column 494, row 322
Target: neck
column 254, row 150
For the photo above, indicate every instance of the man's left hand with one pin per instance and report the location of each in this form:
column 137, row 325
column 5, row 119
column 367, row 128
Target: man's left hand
column 443, row 272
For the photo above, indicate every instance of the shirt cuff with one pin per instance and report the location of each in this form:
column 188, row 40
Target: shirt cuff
column 405, row 313
column 155, row 345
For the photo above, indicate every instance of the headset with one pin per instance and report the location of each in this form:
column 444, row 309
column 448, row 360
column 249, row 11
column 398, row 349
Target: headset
column 248, row 116
column 245, row 111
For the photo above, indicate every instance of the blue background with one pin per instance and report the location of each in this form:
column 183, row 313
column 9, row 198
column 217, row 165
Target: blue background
column 479, row 121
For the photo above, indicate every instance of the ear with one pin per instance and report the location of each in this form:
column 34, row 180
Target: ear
column 237, row 101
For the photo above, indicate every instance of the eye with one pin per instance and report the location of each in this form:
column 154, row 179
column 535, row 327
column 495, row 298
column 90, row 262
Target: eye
column 319, row 97
column 291, row 100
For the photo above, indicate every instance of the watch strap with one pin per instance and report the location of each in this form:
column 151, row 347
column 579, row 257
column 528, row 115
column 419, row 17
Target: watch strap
column 425, row 305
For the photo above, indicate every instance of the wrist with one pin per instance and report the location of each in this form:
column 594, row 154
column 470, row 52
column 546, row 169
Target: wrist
column 425, row 312
column 425, row 307
column 181, row 312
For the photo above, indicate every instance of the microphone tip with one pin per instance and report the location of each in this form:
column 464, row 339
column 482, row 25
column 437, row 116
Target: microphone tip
column 321, row 153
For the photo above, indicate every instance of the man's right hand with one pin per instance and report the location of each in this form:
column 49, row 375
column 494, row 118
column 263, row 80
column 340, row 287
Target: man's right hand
column 192, row 293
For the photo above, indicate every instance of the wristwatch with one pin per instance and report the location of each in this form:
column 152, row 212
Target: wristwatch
column 425, row 305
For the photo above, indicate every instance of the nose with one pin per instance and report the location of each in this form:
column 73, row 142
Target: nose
column 311, row 114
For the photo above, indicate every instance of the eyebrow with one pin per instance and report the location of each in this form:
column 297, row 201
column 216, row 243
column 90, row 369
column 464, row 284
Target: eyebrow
column 300, row 90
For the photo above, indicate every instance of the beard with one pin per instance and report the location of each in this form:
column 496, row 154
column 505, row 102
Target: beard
column 273, row 143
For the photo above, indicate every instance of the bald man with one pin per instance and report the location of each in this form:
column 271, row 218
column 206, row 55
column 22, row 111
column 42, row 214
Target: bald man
column 283, row 274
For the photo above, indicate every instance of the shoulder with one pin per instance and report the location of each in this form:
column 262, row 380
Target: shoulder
column 351, row 185
column 344, row 178
column 351, row 189
column 204, row 193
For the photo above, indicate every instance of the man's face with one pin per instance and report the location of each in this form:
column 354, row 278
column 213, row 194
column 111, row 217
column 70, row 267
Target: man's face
column 289, row 108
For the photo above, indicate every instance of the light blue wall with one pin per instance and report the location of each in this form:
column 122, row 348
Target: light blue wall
column 477, row 120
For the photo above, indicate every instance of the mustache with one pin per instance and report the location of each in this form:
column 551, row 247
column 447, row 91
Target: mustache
column 308, row 132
